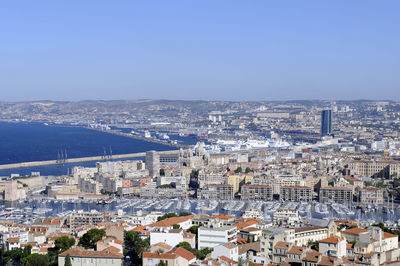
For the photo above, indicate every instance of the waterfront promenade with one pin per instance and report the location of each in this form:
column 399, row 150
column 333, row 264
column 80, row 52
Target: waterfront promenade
column 76, row 160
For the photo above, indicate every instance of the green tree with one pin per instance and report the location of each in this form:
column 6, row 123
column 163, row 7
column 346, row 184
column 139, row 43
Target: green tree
column 52, row 254
column 176, row 226
column 185, row 245
column 248, row 170
column 194, row 230
column 90, row 239
column 200, row 254
column 166, row 216
column 313, row 245
column 239, row 170
column 63, row 243
column 185, row 213
column 35, row 260
column 194, row 174
column 67, row 261
column 16, row 255
column 135, row 246
column 2, row 252
column 162, row 263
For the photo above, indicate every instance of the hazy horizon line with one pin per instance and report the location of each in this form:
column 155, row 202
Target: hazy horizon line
column 202, row 100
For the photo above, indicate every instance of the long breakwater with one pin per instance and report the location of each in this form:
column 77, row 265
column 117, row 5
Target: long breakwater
column 76, row 160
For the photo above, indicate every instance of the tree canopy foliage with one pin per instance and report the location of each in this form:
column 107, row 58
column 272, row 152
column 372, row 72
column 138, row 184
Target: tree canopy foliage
column 135, row 246
column 166, row 216
column 200, row 254
column 63, row 243
column 90, row 239
column 239, row 170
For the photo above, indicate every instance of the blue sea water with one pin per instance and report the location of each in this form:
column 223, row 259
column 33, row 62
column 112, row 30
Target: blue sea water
column 25, row 142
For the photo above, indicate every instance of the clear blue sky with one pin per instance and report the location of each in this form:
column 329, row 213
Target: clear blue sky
column 217, row 50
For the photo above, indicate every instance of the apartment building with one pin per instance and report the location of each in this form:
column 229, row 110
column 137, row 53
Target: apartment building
column 210, row 179
column 238, row 180
column 372, row 168
column 80, row 256
column 215, row 235
column 303, row 235
column 284, row 216
column 286, row 181
column 11, row 238
column 217, row 191
column 89, row 185
column 371, row 195
column 339, row 194
column 256, row 192
column 81, row 218
column 296, row 193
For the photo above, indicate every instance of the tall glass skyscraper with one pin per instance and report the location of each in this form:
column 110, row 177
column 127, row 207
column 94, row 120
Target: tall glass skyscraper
column 326, row 123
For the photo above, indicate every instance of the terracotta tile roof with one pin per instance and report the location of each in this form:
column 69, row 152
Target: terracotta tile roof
column 113, row 249
column 282, row 245
column 388, row 235
column 188, row 235
column 229, row 245
column 154, row 255
column 296, row 250
column 111, row 239
column 222, row 217
column 226, row 259
column 250, row 229
column 56, row 221
column 355, row 231
column 175, row 231
column 83, row 253
column 210, row 262
column 249, row 222
column 349, row 246
column 56, row 235
column 312, row 256
column 181, row 252
column 171, row 221
column 327, row 261
column 139, row 228
column 353, row 179
column 47, row 221
column 31, row 244
column 241, row 240
column 162, row 245
column 330, row 240
column 13, row 240
column 249, row 246
column 44, row 249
